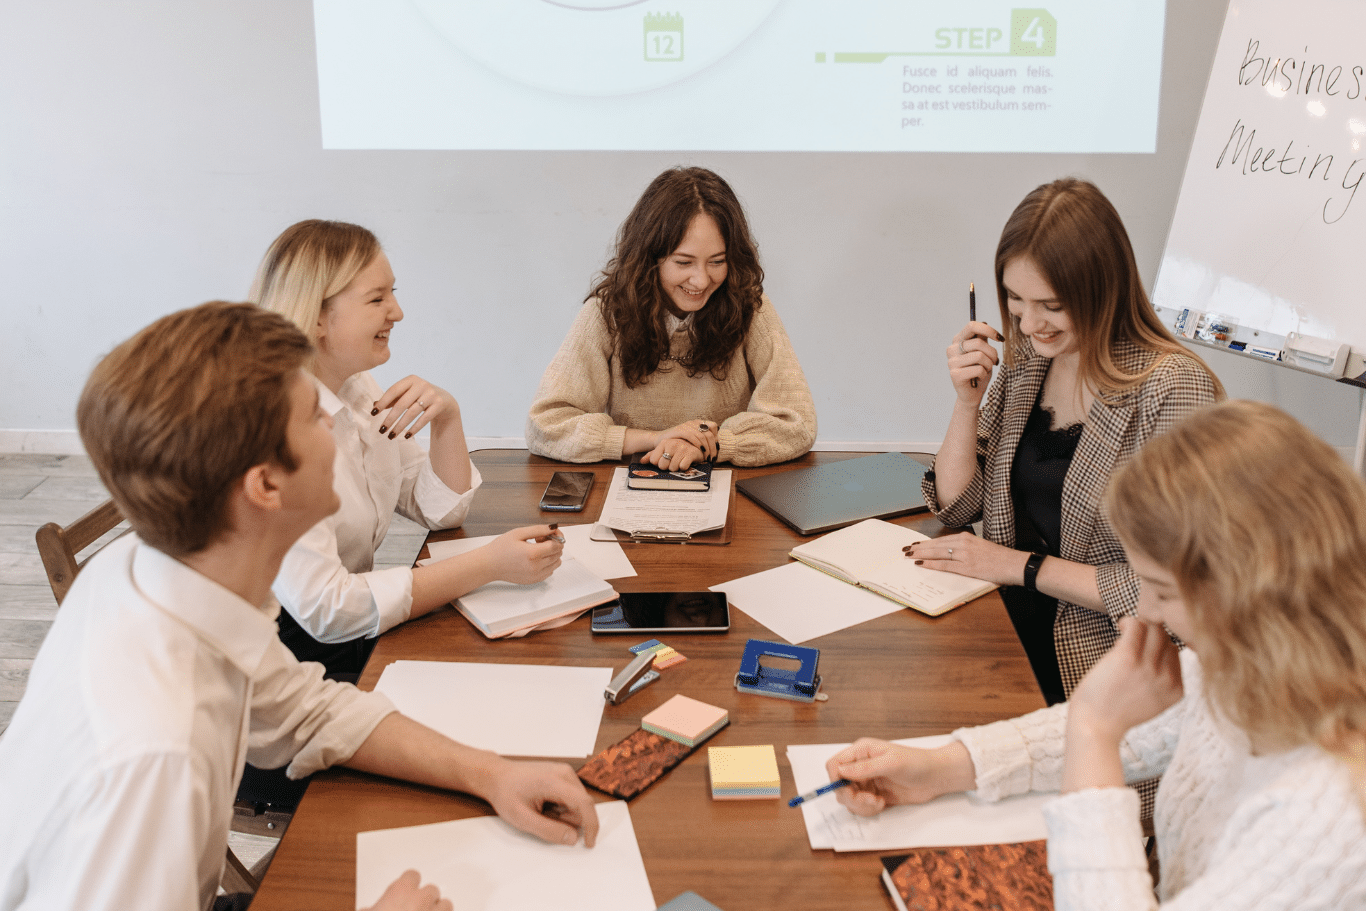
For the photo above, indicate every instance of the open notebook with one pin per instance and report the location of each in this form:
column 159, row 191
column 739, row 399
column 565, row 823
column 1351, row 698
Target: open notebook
column 869, row 555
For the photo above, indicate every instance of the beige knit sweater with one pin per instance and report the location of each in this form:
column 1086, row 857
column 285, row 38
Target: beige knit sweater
column 583, row 408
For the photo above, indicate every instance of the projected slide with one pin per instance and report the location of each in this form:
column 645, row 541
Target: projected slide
column 740, row 75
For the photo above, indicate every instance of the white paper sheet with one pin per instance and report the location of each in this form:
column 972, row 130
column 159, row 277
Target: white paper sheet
column 604, row 559
column 512, row 709
column 955, row 819
column 799, row 603
column 484, row 863
column 666, row 510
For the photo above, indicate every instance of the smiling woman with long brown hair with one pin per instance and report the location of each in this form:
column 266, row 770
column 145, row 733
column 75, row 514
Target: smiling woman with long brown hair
column 677, row 353
column 1090, row 376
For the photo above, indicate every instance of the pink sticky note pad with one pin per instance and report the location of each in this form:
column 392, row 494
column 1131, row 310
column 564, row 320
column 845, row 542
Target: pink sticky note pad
column 685, row 720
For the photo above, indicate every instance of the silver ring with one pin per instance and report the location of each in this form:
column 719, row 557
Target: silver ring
column 961, row 349
column 950, row 552
column 667, row 456
column 421, row 404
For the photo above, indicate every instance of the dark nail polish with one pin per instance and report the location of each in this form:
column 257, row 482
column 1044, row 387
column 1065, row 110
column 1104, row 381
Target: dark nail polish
column 383, row 427
column 394, row 434
column 407, row 436
column 919, row 562
column 374, row 411
column 554, row 525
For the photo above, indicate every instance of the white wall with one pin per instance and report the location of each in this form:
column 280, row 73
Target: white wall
column 151, row 149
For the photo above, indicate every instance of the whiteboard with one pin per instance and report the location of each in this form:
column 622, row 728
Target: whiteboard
column 1268, row 234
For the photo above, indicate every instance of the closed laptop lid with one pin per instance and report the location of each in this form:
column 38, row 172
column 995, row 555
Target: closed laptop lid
column 826, row 497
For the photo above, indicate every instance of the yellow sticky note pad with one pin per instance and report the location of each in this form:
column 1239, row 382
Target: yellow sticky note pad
column 743, row 773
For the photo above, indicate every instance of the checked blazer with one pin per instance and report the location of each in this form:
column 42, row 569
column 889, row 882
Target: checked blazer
column 1116, row 428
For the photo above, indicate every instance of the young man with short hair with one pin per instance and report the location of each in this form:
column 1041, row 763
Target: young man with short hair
column 163, row 672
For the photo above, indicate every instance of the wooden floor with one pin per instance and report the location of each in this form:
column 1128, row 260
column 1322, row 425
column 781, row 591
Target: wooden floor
column 35, row 489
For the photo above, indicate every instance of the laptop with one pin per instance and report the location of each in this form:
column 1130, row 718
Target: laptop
column 826, row 497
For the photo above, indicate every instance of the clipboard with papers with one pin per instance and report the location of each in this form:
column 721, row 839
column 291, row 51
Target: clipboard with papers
column 668, row 516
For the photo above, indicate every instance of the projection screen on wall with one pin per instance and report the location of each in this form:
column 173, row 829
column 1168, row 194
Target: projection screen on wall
column 740, row 75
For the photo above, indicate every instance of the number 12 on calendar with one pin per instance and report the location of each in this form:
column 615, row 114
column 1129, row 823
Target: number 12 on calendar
column 663, row 36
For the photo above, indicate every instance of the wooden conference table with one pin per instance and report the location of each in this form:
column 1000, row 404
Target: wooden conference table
column 902, row 675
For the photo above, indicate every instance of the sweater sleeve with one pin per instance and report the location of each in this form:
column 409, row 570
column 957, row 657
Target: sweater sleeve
column 1025, row 754
column 780, row 422
column 568, row 419
column 1289, row 843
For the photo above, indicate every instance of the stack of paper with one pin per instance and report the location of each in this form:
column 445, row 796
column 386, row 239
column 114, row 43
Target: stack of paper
column 686, row 720
column 506, row 609
column 673, row 511
column 606, row 559
column 743, row 773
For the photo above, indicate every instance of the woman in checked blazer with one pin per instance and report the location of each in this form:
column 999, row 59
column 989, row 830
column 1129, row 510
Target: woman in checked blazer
column 1090, row 376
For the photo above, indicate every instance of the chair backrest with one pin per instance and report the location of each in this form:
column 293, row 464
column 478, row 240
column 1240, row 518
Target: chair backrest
column 59, row 546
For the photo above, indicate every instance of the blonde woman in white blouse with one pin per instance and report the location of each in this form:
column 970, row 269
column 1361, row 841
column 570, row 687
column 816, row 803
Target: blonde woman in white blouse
column 1247, row 533
column 334, row 282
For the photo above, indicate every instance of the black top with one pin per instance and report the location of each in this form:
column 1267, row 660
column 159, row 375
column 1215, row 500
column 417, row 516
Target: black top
column 1042, row 459
column 1041, row 463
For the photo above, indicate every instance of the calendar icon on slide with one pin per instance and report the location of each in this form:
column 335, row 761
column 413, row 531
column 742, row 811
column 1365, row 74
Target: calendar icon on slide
column 663, row 37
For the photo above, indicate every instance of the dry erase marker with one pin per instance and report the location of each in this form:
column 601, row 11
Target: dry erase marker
column 823, row 789
column 972, row 313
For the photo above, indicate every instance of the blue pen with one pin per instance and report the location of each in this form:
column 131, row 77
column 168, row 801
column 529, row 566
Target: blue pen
column 823, row 789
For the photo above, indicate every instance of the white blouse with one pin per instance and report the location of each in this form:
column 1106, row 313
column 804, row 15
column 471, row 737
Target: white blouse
column 327, row 581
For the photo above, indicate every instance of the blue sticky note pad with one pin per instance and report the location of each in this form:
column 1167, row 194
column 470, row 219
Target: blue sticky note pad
column 647, row 646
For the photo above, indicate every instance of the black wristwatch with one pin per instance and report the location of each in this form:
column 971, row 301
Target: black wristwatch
column 1031, row 572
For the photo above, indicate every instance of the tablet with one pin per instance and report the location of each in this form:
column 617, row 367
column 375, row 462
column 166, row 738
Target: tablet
column 664, row 612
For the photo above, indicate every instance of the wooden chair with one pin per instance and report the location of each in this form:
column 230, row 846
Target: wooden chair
column 58, row 547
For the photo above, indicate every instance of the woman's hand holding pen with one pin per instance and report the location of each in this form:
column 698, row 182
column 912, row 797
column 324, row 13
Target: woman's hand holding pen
column 971, row 357
column 883, row 774
column 526, row 555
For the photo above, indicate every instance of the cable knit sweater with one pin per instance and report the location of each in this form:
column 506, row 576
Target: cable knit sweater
column 1234, row 830
column 583, row 406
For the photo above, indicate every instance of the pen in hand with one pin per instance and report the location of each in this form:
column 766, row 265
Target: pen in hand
column 972, row 313
column 823, row 789
column 552, row 536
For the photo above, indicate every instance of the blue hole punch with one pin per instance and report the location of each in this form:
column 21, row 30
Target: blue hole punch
column 800, row 685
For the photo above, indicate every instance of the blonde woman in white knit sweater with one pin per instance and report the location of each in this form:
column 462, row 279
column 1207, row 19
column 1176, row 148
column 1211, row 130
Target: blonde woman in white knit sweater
column 1248, row 534
column 677, row 353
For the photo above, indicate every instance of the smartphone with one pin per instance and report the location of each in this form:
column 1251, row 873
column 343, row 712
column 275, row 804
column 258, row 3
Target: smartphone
column 567, row 491
column 664, row 612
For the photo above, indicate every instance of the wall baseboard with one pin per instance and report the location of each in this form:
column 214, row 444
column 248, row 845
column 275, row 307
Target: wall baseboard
column 68, row 442
column 41, row 442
